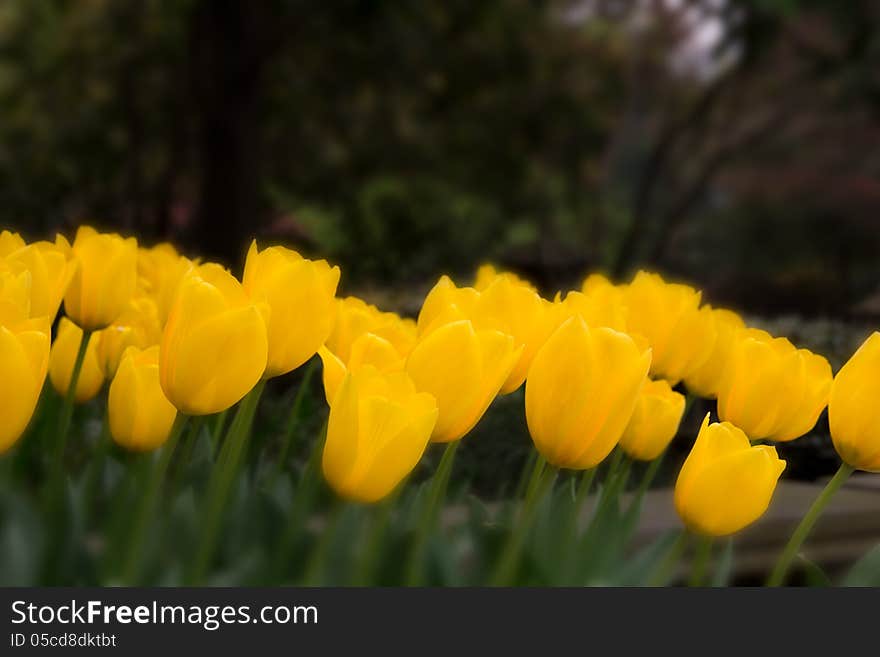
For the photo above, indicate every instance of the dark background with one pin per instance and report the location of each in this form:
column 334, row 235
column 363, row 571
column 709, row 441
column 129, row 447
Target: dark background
column 731, row 142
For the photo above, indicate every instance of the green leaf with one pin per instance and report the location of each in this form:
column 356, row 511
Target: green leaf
column 813, row 574
column 644, row 569
column 866, row 571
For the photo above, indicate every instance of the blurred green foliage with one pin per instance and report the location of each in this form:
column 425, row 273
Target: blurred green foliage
column 731, row 142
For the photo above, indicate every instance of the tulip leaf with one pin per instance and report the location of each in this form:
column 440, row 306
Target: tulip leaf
column 814, row 576
column 866, row 571
column 646, row 567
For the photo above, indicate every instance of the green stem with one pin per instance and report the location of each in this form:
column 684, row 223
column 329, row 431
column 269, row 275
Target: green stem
column 509, row 558
column 535, row 478
column 287, row 440
column 316, row 565
column 777, row 577
column 614, row 463
column 372, row 547
column 303, row 497
column 219, row 424
column 69, row 401
column 222, row 478
column 189, row 445
column 146, row 509
column 663, row 573
column 96, row 469
column 583, row 492
column 569, row 535
column 428, row 518
column 650, row 475
column 702, row 554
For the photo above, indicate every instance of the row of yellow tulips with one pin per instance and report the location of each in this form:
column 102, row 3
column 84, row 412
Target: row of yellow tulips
column 177, row 337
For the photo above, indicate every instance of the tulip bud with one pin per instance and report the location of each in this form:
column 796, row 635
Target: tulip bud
column 486, row 275
column 725, row 484
column 680, row 333
column 368, row 349
column 463, row 368
column 654, row 421
column 138, row 326
column 51, row 269
column 302, row 297
column 853, row 414
column 140, row 415
column 446, row 303
column 581, row 392
column 599, row 307
column 705, row 380
column 378, row 429
column 771, row 389
column 214, row 346
column 10, row 243
column 505, row 304
column 356, row 317
column 160, row 270
column 24, row 358
column 514, row 308
column 15, row 295
column 63, row 358
column 104, row 278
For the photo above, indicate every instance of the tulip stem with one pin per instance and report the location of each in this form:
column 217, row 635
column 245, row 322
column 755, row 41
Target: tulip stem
column 380, row 517
column 509, row 558
column 150, row 497
column 429, row 514
column 287, row 440
column 316, row 565
column 650, row 475
column 700, row 564
column 219, row 424
column 777, row 577
column 666, row 569
column 222, row 478
column 67, row 409
column 186, row 453
column 304, row 495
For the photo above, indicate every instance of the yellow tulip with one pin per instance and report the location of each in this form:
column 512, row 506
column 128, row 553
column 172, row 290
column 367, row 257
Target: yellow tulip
column 51, row 269
column 505, row 304
column 356, row 317
column 140, row 415
column 852, row 408
column 24, row 359
column 599, row 307
column 669, row 317
column 301, row 295
column 214, row 346
column 15, row 295
column 725, row 484
column 446, row 303
column 138, row 326
column 10, row 243
column 368, row 349
column 464, row 369
column 654, row 421
column 160, row 270
column 378, row 429
column 511, row 307
column 104, row 279
column 63, row 357
column 486, row 275
column 581, row 392
column 705, row 380
column 771, row 389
